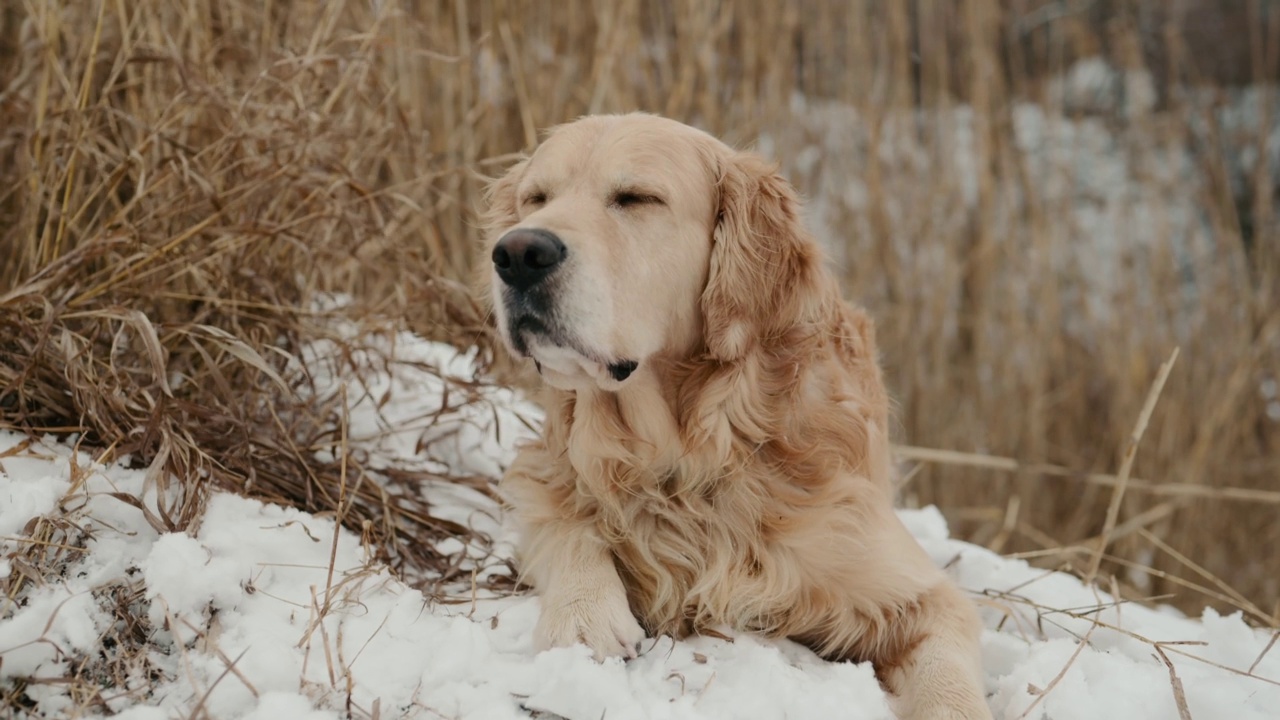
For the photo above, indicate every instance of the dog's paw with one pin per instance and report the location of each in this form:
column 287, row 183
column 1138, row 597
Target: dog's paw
column 973, row 712
column 604, row 624
column 959, row 703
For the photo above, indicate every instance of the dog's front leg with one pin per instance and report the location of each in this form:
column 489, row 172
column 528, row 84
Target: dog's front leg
column 939, row 677
column 563, row 556
column 583, row 599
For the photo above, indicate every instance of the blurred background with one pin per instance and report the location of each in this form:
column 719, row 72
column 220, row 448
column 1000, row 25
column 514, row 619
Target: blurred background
column 1039, row 200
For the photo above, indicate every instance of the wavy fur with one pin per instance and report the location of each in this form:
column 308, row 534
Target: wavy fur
column 745, row 479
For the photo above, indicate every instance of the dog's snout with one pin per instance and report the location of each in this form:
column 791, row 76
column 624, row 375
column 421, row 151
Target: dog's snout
column 525, row 256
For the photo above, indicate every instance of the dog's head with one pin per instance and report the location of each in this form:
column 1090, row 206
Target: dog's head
column 628, row 238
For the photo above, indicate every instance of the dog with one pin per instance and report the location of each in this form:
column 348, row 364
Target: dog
column 715, row 450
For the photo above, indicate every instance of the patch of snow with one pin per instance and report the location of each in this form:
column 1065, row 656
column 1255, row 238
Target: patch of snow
column 267, row 612
column 26, row 495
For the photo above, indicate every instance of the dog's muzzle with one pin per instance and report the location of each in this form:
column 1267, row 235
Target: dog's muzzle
column 525, row 260
column 525, row 257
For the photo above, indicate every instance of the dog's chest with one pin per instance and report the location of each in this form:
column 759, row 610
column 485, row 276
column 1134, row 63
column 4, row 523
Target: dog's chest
column 684, row 548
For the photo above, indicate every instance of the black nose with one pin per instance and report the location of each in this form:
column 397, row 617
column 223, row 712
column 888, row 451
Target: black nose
column 525, row 256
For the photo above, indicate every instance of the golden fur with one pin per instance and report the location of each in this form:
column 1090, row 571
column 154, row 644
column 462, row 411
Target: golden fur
column 741, row 475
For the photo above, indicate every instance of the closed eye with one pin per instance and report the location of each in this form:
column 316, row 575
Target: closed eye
column 535, row 198
column 627, row 199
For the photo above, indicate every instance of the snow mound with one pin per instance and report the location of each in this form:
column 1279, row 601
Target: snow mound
column 269, row 612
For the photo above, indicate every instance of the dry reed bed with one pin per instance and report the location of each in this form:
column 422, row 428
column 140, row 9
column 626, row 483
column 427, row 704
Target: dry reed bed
column 177, row 181
column 170, row 215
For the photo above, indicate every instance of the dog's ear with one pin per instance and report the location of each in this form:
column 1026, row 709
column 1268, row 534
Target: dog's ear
column 501, row 211
column 501, row 205
column 766, row 272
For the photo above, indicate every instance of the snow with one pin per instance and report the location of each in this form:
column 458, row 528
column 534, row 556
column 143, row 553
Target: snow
column 28, row 496
column 269, row 612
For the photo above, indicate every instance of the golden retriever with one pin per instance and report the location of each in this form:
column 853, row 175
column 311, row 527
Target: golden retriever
column 716, row 443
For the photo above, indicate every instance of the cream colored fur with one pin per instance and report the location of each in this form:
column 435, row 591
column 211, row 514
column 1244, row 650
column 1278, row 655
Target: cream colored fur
column 741, row 475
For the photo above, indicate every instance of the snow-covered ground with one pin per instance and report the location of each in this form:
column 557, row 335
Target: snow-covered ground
column 267, row 612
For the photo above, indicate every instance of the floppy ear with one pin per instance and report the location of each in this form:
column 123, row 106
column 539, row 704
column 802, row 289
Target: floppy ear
column 499, row 214
column 500, row 202
column 766, row 272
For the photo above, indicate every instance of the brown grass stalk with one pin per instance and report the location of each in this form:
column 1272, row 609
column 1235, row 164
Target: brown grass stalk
column 1126, row 464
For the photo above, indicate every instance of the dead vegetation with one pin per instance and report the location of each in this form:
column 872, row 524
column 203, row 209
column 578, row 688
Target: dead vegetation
column 181, row 182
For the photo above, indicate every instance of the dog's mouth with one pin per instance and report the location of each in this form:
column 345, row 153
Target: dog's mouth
column 525, row 329
column 558, row 352
column 622, row 369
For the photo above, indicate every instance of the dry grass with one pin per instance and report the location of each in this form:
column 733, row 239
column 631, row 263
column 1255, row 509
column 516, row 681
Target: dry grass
column 173, row 201
column 178, row 181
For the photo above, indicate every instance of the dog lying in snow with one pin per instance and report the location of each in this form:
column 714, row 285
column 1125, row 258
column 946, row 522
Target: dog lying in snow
column 716, row 446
